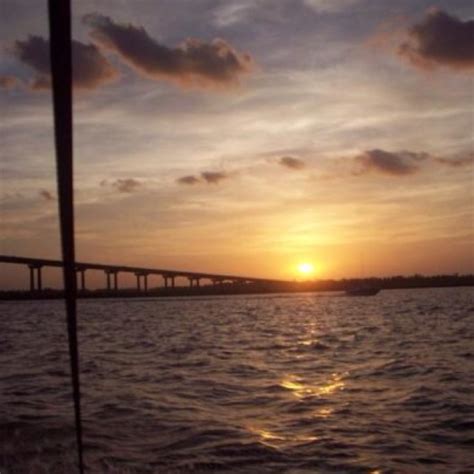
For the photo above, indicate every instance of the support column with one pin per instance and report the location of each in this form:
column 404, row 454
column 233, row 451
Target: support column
column 138, row 281
column 172, row 282
column 198, row 282
column 165, row 278
column 40, row 283
column 107, row 274
column 115, row 281
column 32, row 277
column 82, row 272
column 145, row 282
column 191, row 282
column 36, row 283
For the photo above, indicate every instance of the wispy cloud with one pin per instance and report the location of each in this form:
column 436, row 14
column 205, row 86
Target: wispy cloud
column 208, row 177
column 46, row 195
column 458, row 161
column 123, row 185
column 329, row 6
column 404, row 163
column 193, row 63
column 188, row 180
column 389, row 163
column 90, row 68
column 440, row 40
column 291, row 163
column 8, row 82
column 213, row 177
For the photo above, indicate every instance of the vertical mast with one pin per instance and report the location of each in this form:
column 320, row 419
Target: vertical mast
column 61, row 74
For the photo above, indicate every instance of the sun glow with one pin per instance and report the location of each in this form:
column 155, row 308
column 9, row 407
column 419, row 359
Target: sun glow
column 306, row 268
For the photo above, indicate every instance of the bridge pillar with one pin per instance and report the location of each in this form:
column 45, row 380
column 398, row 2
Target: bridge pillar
column 145, row 282
column 82, row 273
column 32, row 277
column 115, row 275
column 107, row 274
column 39, row 284
column 165, row 278
column 138, row 281
column 191, row 282
column 172, row 282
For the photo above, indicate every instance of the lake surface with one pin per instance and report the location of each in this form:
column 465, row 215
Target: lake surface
column 302, row 383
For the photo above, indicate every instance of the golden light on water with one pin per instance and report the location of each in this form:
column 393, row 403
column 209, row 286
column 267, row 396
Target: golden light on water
column 303, row 390
column 275, row 440
column 323, row 413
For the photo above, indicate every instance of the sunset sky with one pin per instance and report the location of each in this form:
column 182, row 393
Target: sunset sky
column 247, row 137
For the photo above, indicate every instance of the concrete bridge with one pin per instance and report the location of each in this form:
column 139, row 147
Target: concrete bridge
column 111, row 272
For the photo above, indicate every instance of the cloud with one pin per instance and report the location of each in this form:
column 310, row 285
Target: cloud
column 8, row 82
column 189, row 180
column 208, row 177
column 193, row 63
column 385, row 162
column 330, row 6
column 46, row 195
column 291, row 163
column 440, row 40
column 457, row 161
column 90, row 68
column 125, row 185
column 213, row 177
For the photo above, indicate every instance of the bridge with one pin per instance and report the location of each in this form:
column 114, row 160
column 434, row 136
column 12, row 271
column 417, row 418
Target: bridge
column 111, row 272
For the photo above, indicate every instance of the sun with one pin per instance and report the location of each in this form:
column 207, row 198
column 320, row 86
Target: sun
column 306, row 268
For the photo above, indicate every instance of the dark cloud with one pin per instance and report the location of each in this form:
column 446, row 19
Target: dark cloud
column 90, row 68
column 440, row 40
column 189, row 180
column 292, row 163
column 213, row 177
column 126, row 185
column 46, row 195
column 385, row 162
column 8, row 82
column 209, row 177
column 192, row 63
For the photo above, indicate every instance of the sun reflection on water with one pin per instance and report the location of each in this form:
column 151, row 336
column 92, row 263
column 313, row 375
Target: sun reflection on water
column 324, row 412
column 278, row 440
column 304, row 390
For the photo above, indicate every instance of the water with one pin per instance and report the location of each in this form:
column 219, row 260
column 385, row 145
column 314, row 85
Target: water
column 299, row 383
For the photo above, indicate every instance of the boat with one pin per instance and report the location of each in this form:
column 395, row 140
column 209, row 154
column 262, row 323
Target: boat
column 362, row 291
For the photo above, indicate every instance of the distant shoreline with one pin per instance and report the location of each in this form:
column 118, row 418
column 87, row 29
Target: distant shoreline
column 390, row 283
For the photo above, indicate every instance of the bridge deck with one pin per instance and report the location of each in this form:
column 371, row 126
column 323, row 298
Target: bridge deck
column 136, row 270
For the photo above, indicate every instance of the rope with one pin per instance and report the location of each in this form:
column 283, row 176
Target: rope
column 61, row 72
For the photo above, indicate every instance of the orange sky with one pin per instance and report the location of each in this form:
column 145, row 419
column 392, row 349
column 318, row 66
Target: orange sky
column 280, row 134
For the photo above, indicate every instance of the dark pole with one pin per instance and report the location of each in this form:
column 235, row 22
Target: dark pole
column 145, row 282
column 83, row 280
column 115, row 281
column 108, row 279
column 61, row 74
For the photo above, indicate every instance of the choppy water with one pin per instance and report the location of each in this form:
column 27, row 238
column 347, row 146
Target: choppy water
column 259, row 384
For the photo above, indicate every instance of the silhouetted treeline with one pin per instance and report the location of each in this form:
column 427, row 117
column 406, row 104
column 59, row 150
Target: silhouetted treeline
column 393, row 282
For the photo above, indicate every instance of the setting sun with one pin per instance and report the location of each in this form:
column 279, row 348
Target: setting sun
column 306, row 268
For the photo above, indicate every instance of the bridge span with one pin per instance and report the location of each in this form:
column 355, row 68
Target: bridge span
column 111, row 272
